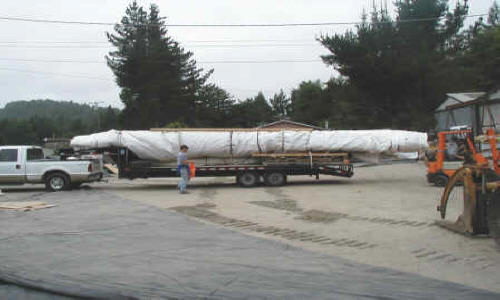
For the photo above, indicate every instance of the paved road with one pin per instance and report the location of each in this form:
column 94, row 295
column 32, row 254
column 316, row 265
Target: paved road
column 96, row 244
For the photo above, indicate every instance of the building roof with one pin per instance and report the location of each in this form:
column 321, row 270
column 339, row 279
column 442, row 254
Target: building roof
column 459, row 98
column 289, row 122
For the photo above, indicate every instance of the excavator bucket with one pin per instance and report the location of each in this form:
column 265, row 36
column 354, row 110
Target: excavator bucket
column 479, row 201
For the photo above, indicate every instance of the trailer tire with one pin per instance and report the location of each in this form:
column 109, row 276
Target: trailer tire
column 57, row 181
column 275, row 178
column 248, row 179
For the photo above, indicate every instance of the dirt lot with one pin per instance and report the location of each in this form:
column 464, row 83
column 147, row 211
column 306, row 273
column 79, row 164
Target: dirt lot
column 383, row 216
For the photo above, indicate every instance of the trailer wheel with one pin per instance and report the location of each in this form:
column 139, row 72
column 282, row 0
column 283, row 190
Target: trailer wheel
column 248, row 179
column 275, row 179
column 57, row 182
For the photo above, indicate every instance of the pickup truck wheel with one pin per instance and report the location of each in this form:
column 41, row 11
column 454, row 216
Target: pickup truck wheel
column 248, row 179
column 275, row 179
column 57, row 182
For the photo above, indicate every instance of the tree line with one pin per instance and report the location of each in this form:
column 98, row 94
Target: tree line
column 30, row 122
column 393, row 72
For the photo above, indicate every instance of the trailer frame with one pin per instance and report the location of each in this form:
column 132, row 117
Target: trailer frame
column 247, row 175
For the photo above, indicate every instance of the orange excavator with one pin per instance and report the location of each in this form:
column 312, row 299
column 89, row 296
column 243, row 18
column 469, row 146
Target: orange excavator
column 471, row 198
column 441, row 166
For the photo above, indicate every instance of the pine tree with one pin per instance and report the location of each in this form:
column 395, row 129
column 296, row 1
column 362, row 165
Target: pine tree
column 280, row 104
column 307, row 103
column 481, row 57
column 400, row 64
column 213, row 107
column 159, row 80
column 252, row 112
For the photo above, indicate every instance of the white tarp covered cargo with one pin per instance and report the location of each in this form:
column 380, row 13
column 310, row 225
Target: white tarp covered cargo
column 164, row 146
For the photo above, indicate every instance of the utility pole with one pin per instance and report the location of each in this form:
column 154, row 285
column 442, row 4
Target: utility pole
column 95, row 106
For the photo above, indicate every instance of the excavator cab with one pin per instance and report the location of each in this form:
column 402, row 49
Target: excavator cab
column 448, row 153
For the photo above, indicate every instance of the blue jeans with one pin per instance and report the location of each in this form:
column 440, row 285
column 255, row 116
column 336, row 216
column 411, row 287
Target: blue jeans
column 184, row 179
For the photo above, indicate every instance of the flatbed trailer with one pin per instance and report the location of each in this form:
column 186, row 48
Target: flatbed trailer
column 273, row 169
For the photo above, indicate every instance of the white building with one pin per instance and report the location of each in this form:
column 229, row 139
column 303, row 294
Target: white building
column 478, row 110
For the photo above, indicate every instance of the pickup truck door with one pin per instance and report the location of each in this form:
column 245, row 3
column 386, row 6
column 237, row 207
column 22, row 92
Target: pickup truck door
column 11, row 166
column 33, row 167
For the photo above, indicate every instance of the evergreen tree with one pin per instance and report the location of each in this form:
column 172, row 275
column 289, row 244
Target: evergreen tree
column 252, row 112
column 400, row 64
column 307, row 103
column 213, row 107
column 159, row 80
column 109, row 119
column 280, row 104
column 481, row 56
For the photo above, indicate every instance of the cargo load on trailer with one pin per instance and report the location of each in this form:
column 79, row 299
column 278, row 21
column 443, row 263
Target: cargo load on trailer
column 241, row 143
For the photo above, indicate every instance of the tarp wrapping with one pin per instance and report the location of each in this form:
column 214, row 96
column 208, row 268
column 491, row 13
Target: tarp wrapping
column 163, row 146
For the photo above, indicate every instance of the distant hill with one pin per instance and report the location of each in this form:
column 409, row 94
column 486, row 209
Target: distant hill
column 29, row 122
column 65, row 110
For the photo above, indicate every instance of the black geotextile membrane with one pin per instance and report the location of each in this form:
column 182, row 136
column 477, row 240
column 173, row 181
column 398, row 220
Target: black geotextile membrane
column 98, row 245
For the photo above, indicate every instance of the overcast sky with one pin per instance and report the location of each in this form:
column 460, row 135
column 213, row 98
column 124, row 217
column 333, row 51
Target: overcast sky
column 86, row 82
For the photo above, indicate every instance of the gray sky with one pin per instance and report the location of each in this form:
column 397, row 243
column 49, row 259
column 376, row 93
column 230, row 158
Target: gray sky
column 69, row 81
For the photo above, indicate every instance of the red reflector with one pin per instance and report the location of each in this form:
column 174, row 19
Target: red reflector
column 90, row 168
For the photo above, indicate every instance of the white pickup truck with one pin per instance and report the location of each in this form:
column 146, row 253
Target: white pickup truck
column 27, row 164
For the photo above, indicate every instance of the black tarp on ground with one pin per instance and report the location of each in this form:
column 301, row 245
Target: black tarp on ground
column 95, row 244
column 15, row 292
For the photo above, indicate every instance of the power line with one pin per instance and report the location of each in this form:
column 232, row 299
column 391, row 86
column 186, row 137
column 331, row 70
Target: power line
column 186, row 41
column 248, row 40
column 203, row 62
column 54, row 47
column 53, row 42
column 53, row 61
column 54, row 74
column 185, row 45
column 34, row 20
column 190, row 45
column 260, row 61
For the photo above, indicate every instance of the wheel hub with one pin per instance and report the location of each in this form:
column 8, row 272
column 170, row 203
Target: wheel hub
column 57, row 183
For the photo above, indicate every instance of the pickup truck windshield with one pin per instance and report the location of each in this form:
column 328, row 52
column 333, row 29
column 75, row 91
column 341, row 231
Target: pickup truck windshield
column 8, row 155
column 35, row 154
